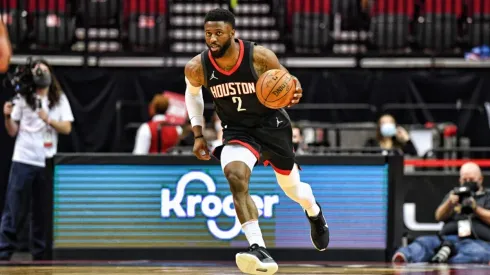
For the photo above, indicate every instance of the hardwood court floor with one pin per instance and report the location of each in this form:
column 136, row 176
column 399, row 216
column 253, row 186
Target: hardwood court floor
column 210, row 268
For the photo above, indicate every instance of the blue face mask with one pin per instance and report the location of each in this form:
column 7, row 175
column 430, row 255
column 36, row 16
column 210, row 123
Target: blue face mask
column 388, row 130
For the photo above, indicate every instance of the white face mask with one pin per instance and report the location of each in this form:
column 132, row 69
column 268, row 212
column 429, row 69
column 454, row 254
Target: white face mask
column 388, row 129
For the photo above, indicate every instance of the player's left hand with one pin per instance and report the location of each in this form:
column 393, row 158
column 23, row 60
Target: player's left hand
column 297, row 94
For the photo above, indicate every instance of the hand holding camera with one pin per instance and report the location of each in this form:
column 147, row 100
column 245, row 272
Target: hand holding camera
column 465, row 195
column 469, row 204
column 454, row 199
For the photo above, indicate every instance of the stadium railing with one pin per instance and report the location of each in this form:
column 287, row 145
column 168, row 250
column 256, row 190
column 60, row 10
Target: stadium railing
column 329, row 117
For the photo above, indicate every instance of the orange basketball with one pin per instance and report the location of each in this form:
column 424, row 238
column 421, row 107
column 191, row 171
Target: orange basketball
column 275, row 89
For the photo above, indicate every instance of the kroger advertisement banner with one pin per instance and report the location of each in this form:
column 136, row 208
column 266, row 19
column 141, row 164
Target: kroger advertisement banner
column 159, row 206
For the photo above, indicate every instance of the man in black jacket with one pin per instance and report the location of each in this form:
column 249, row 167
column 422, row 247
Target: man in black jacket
column 465, row 212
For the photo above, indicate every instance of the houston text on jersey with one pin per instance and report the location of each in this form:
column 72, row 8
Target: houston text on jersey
column 232, row 89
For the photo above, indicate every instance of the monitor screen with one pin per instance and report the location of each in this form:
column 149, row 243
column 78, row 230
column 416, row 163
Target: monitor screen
column 163, row 206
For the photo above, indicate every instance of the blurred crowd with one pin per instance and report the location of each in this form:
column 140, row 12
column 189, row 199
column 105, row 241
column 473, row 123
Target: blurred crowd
column 160, row 135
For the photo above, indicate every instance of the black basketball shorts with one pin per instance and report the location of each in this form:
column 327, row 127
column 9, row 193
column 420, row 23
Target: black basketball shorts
column 272, row 142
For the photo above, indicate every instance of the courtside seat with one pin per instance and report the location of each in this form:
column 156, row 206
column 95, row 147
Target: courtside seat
column 437, row 27
column 146, row 23
column 52, row 24
column 310, row 22
column 11, row 12
column 391, row 23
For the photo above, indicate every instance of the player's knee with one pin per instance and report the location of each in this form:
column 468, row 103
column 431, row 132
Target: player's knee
column 296, row 190
column 237, row 174
column 289, row 181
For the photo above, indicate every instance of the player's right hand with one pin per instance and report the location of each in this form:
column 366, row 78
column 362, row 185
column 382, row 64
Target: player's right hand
column 201, row 149
column 7, row 108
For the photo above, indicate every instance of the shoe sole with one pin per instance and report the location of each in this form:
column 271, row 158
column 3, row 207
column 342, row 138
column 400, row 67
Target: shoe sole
column 249, row 264
column 314, row 245
column 399, row 258
column 323, row 249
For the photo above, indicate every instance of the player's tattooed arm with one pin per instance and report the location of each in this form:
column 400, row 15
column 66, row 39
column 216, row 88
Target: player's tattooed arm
column 194, row 72
column 264, row 60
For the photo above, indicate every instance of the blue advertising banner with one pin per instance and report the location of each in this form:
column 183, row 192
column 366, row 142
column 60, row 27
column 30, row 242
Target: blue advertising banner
column 190, row 206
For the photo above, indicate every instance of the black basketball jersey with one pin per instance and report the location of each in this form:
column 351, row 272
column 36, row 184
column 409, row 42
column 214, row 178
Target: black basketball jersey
column 233, row 91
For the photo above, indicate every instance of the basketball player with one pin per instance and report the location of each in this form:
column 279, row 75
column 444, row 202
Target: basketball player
column 5, row 48
column 229, row 69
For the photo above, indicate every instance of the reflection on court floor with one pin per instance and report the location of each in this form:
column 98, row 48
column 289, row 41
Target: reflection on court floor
column 222, row 268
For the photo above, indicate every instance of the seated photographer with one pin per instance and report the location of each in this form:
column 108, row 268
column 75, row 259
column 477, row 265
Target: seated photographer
column 39, row 113
column 465, row 235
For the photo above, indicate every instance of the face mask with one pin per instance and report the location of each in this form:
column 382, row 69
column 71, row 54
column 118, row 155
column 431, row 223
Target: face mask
column 42, row 80
column 388, row 130
column 472, row 185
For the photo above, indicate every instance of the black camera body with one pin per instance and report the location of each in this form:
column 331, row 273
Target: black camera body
column 465, row 193
column 22, row 80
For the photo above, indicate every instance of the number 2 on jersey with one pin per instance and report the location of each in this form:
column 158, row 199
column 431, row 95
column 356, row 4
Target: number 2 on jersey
column 237, row 99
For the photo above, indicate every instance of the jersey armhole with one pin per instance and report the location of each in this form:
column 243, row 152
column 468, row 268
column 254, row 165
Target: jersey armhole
column 251, row 60
column 204, row 68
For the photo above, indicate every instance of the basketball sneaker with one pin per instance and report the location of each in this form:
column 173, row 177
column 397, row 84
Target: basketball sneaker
column 399, row 258
column 256, row 261
column 319, row 233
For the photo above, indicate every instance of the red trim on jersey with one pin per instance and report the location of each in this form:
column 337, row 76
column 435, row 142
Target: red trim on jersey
column 246, row 145
column 280, row 171
column 237, row 65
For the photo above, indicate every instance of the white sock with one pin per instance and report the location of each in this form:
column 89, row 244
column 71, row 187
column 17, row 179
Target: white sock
column 313, row 211
column 253, row 233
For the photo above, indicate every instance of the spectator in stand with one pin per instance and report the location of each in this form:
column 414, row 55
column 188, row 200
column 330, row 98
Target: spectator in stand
column 157, row 136
column 298, row 140
column 391, row 137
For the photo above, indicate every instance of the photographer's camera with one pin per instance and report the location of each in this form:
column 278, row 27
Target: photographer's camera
column 466, row 193
column 444, row 252
column 22, row 80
